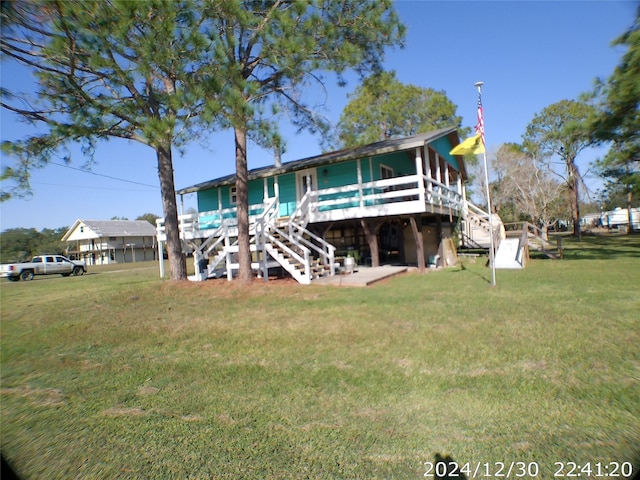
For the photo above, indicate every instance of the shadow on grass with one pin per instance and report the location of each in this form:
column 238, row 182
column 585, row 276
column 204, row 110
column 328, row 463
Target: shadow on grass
column 6, row 471
column 484, row 273
column 444, row 468
column 601, row 247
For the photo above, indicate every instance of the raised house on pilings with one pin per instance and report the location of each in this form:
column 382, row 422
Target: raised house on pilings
column 103, row 242
column 397, row 201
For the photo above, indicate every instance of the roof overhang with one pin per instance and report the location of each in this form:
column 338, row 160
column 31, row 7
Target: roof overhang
column 372, row 149
column 72, row 229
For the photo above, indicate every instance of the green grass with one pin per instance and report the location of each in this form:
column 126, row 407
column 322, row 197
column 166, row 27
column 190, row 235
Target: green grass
column 122, row 375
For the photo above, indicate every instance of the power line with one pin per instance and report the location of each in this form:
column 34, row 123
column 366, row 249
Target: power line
column 90, row 187
column 102, row 175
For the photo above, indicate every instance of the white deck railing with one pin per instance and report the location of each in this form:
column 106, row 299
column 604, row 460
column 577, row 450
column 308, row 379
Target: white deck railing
column 392, row 196
column 408, row 194
column 193, row 225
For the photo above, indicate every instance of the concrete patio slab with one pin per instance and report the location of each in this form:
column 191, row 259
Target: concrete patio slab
column 361, row 277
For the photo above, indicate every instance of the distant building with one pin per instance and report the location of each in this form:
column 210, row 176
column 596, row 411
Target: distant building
column 619, row 218
column 101, row 242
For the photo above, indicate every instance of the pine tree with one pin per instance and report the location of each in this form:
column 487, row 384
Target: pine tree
column 133, row 70
column 618, row 121
column 268, row 51
column 383, row 107
column 559, row 133
column 163, row 72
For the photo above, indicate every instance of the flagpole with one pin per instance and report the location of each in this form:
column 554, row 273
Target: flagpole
column 478, row 85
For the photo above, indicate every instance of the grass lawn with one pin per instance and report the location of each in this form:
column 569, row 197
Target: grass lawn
column 121, row 375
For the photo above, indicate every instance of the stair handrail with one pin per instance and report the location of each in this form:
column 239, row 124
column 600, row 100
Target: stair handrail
column 468, row 241
column 203, row 250
column 523, row 245
column 477, row 210
column 265, row 219
column 214, row 235
column 302, row 210
column 538, row 232
column 220, row 236
column 217, row 260
column 326, row 251
column 533, row 230
column 483, row 216
column 297, row 227
column 304, row 259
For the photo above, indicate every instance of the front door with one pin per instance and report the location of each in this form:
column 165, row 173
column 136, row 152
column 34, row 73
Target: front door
column 305, row 180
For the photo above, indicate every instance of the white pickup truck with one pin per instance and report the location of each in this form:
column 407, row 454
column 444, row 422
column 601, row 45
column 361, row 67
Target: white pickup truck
column 42, row 265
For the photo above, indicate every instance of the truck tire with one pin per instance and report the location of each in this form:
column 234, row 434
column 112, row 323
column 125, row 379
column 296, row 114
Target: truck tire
column 26, row 275
column 78, row 271
column 13, row 279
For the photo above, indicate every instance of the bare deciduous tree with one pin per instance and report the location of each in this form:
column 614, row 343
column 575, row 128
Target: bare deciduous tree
column 525, row 184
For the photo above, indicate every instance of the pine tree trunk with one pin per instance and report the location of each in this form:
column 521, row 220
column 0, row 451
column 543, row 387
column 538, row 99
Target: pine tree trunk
column 629, row 212
column 245, row 275
column 575, row 199
column 177, row 261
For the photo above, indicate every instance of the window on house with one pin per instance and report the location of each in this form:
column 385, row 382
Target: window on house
column 232, row 195
column 386, row 172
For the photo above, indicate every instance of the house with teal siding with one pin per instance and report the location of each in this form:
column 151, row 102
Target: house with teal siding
column 398, row 201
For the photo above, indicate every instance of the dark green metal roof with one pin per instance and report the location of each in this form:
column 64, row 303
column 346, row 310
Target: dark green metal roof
column 365, row 151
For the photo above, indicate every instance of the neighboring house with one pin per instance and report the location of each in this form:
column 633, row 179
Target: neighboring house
column 589, row 220
column 396, row 201
column 101, row 242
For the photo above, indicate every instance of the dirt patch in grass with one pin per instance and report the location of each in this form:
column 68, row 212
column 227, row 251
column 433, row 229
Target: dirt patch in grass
column 222, row 288
column 146, row 391
column 124, row 412
column 192, row 418
column 226, row 419
column 40, row 397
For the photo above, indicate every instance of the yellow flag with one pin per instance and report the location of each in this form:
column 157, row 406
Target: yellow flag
column 470, row 145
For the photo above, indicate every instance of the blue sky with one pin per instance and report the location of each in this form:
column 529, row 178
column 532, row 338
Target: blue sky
column 529, row 54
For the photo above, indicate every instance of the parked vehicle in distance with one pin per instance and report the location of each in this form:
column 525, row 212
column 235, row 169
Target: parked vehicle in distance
column 42, row 265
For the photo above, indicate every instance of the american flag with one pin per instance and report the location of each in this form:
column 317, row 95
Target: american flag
column 480, row 125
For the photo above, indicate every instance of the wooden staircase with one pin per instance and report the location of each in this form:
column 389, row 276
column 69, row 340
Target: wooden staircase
column 275, row 241
column 476, row 228
column 295, row 257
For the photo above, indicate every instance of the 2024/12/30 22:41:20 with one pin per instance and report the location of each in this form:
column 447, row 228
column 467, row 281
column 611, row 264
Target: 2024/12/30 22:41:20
column 593, row 470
